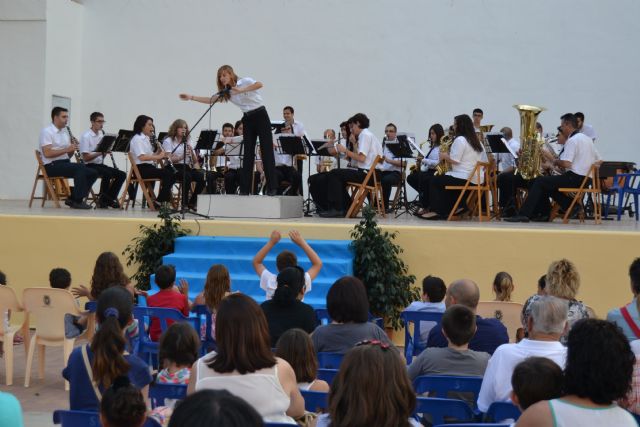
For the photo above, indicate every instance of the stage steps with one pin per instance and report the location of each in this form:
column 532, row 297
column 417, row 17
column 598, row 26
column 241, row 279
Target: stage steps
column 194, row 255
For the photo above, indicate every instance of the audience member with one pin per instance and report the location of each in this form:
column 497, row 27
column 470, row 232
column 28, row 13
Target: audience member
column 348, row 309
column 562, row 281
column 535, row 379
column 371, row 389
column 10, row 411
column 503, row 286
column 60, row 278
column 627, row 317
column 105, row 355
column 285, row 259
column 295, row 347
column 217, row 285
column 547, row 323
column 433, row 292
column 631, row 401
column 244, row 364
column 107, row 272
column 521, row 333
column 169, row 296
column 458, row 326
column 490, row 333
column 285, row 310
column 179, row 349
column 598, row 372
column 122, row 405
column 214, row 408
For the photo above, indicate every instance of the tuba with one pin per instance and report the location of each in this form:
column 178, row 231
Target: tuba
column 445, row 145
column 531, row 142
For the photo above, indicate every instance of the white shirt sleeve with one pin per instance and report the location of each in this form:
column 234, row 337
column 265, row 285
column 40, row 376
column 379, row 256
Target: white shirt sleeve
column 166, row 145
column 268, row 283
column 46, row 138
column 569, row 152
column 137, row 147
column 85, row 143
column 488, row 393
column 364, row 145
column 457, row 148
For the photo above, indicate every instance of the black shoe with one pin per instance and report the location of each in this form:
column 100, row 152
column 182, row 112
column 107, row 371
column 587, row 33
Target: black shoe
column 79, row 205
column 271, row 193
column 541, row 218
column 332, row 213
column 102, row 203
column 68, row 202
column 517, row 218
column 114, row 204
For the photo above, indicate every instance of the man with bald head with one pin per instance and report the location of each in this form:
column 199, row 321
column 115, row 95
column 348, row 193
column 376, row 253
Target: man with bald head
column 490, row 333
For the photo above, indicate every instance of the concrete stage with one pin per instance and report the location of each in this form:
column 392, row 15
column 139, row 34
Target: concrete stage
column 38, row 239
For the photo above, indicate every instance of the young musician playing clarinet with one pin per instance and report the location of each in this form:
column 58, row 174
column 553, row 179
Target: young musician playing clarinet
column 244, row 93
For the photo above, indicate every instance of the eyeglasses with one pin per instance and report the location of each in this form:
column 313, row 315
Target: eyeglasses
column 100, row 121
column 382, row 345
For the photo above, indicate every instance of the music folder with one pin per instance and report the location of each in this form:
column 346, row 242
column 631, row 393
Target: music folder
column 321, row 147
column 291, row 144
column 207, row 139
column 122, row 141
column 106, row 143
column 499, row 144
column 400, row 148
column 162, row 136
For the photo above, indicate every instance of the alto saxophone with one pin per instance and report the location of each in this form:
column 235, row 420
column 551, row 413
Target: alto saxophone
column 445, row 146
column 417, row 167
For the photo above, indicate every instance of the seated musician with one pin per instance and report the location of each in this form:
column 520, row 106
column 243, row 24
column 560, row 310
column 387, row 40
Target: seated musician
column 285, row 171
column 233, row 172
column 426, row 167
column 324, row 165
column 365, row 151
column 391, row 166
column 506, row 165
column 466, row 150
column 577, row 156
column 146, row 158
column 217, row 162
column 187, row 164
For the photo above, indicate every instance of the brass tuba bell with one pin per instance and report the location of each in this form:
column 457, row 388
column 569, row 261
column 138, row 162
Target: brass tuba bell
column 530, row 142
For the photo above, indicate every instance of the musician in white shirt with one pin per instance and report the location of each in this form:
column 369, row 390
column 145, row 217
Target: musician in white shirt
column 577, row 157
column 391, row 170
column 111, row 177
column 585, row 128
column 285, row 171
column 318, row 181
column 146, row 158
column 187, row 165
column 366, row 150
column 244, row 94
column 232, row 174
column 56, row 147
column 420, row 178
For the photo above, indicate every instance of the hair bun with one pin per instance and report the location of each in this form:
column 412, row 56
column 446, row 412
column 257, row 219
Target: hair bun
column 120, row 382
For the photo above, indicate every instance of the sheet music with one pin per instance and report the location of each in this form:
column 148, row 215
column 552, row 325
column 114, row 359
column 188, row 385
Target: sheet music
column 232, row 148
column 513, row 153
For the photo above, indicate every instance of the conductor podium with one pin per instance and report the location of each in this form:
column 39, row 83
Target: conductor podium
column 236, row 206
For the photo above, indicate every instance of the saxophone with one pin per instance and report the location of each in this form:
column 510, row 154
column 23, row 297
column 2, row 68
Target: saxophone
column 417, row 167
column 531, row 142
column 445, row 145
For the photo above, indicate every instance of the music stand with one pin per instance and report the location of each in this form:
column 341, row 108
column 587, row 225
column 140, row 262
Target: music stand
column 121, row 144
column 106, row 143
column 162, row 136
column 402, row 150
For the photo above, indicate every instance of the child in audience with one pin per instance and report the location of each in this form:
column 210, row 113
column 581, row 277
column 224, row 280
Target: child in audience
column 107, row 272
column 216, row 286
column 179, row 346
column 433, row 292
column 169, row 296
column 285, row 259
column 214, row 408
column 60, row 278
column 92, row 369
column 535, row 379
column 122, row 405
column 295, row 347
column 503, row 286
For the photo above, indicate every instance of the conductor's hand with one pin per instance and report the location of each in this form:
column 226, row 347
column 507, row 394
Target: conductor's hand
column 275, row 236
column 185, row 96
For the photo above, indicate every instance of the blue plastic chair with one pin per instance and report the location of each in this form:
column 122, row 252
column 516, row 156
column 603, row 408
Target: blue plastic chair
column 146, row 349
column 91, row 306
column 278, row 425
column 159, row 392
column 329, row 360
column 327, row 375
column 208, row 343
column 323, row 317
column 438, row 409
column 624, row 184
column 441, row 385
column 474, row 425
column 500, row 411
column 315, row 401
column 87, row 419
column 412, row 344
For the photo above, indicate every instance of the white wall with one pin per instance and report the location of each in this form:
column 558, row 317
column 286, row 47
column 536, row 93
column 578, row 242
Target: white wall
column 413, row 62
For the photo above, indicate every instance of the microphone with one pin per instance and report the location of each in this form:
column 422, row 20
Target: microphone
column 224, row 91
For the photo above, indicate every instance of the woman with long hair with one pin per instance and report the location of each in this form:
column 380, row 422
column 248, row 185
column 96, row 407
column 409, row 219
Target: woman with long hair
column 243, row 92
column 295, row 347
column 372, row 388
column 503, row 286
column 107, row 272
column 244, row 364
column 217, row 285
column 186, row 164
column 93, row 368
column 466, row 151
column 420, row 179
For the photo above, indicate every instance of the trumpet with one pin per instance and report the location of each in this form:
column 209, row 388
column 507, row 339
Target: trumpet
column 168, row 158
column 74, row 141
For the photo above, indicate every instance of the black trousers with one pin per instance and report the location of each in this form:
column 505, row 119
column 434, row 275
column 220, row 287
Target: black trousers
column 508, row 183
column 83, row 177
column 337, row 196
column 167, row 176
column 318, row 190
column 111, row 180
column 256, row 124
column 547, row 186
column 290, row 174
column 420, row 182
column 186, row 178
column 389, row 179
column 442, row 200
column 232, row 181
column 211, row 178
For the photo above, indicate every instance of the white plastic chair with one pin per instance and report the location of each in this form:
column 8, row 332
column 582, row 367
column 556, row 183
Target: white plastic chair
column 48, row 306
column 506, row 312
column 9, row 302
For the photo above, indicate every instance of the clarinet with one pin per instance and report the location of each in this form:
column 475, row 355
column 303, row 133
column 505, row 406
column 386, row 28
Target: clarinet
column 157, row 143
column 76, row 153
column 113, row 160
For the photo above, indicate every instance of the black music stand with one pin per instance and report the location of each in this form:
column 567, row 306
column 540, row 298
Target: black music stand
column 206, row 140
column 162, row 136
column 121, row 144
column 498, row 146
column 402, row 150
column 293, row 146
column 106, row 144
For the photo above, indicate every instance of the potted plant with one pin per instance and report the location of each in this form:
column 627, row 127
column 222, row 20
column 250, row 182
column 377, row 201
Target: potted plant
column 154, row 242
column 378, row 264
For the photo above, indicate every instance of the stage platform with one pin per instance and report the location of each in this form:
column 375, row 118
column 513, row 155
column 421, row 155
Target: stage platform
column 38, row 239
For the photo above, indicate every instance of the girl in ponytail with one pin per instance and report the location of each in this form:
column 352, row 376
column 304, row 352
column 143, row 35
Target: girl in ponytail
column 286, row 310
column 93, row 368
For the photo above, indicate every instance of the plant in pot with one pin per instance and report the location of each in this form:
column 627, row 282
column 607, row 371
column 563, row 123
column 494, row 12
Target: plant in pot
column 154, row 242
column 378, row 264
